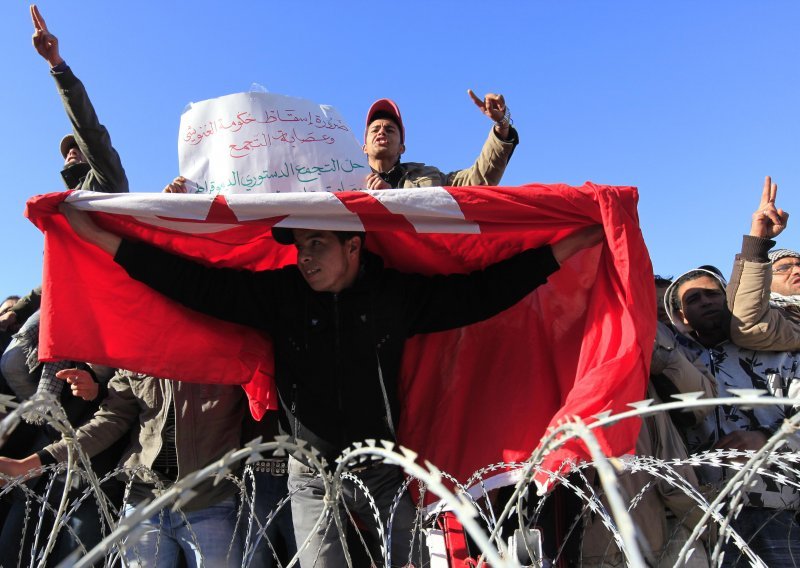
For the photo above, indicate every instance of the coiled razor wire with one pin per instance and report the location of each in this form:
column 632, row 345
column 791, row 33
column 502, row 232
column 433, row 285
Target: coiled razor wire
column 470, row 501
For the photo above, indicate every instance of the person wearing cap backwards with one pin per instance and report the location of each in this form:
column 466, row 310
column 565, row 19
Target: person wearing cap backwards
column 384, row 144
column 90, row 161
column 764, row 292
column 339, row 321
column 697, row 307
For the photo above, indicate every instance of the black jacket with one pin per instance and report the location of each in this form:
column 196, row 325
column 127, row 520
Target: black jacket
column 333, row 352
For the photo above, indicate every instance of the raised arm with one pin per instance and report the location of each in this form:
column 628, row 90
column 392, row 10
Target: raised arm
column 754, row 324
column 106, row 174
column 488, row 169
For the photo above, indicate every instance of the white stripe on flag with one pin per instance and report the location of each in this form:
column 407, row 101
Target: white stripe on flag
column 317, row 210
column 144, row 205
column 429, row 209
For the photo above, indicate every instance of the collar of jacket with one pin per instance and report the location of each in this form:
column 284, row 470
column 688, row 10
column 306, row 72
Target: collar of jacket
column 393, row 176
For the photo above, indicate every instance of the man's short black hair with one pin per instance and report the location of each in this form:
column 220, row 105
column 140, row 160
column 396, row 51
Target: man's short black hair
column 662, row 281
column 701, row 272
column 345, row 236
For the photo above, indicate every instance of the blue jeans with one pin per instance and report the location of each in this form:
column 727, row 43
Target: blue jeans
column 269, row 490
column 207, row 538
column 772, row 534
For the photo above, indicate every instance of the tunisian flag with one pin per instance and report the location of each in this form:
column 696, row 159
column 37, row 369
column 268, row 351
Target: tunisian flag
column 578, row 346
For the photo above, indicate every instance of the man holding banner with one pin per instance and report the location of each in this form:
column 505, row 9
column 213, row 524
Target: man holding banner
column 384, row 143
column 339, row 322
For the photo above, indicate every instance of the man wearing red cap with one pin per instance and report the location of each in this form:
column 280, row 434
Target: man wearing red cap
column 90, row 161
column 384, row 143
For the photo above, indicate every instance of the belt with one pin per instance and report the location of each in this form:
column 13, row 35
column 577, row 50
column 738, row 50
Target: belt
column 273, row 466
column 365, row 466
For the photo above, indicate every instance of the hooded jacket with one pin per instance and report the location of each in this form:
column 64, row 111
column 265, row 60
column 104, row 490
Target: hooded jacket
column 734, row 367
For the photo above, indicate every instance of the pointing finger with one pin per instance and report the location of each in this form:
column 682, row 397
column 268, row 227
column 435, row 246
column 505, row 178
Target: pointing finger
column 773, row 192
column 478, row 102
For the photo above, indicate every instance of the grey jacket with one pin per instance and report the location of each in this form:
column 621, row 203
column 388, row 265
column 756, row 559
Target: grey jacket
column 208, row 420
column 107, row 174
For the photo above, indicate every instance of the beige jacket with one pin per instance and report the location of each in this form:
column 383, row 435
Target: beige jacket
column 676, row 370
column 755, row 324
column 488, row 169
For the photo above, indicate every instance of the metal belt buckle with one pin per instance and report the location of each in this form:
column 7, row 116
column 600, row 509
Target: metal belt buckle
column 273, row 466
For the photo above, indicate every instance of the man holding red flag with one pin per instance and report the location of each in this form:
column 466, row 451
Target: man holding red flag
column 339, row 322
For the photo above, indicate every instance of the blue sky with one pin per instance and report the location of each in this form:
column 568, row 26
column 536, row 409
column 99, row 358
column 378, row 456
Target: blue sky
column 693, row 102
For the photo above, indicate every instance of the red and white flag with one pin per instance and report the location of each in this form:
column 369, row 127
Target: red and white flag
column 578, row 346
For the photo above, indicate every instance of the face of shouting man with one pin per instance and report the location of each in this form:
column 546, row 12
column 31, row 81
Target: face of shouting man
column 383, row 141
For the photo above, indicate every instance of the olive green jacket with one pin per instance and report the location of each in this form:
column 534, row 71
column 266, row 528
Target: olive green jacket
column 107, row 174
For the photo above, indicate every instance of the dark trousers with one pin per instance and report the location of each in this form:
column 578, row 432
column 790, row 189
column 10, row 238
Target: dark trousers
column 324, row 549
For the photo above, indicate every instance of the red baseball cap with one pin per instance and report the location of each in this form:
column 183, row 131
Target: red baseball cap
column 387, row 107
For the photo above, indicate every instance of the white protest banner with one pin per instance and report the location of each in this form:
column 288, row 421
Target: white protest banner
column 264, row 142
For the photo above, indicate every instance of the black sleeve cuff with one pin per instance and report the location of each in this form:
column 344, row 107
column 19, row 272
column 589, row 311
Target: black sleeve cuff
column 513, row 136
column 45, row 457
column 63, row 75
column 60, row 68
column 755, row 249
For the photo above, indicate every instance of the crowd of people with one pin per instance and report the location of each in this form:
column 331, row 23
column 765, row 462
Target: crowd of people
column 337, row 383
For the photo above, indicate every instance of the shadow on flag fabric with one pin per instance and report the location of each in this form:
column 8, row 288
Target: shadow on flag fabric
column 578, row 346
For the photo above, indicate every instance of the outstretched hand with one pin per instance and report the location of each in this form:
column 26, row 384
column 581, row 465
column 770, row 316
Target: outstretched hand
column 80, row 382
column 578, row 240
column 18, row 468
column 46, row 44
column 768, row 220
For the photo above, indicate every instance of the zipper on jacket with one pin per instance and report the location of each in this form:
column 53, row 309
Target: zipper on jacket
column 338, row 363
